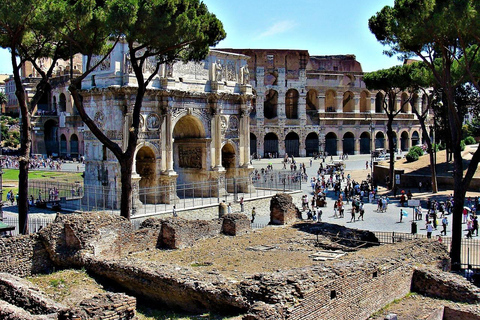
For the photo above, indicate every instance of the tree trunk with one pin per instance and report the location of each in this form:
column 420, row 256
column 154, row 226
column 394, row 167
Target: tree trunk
column 126, row 168
column 391, row 150
column 457, row 232
column 433, row 170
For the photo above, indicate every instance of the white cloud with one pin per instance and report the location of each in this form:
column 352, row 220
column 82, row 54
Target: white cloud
column 277, row 28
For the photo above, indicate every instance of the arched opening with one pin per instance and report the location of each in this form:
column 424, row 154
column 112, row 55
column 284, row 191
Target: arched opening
column 51, row 138
column 74, row 146
column 253, row 145
column 54, row 103
column 365, row 143
column 348, row 102
column 63, row 146
column 331, row 144
column 228, row 162
column 379, row 140
column 330, row 105
column 228, row 156
column 292, row 144
column 349, row 143
column 271, row 104
column 62, row 103
column 379, row 103
column 415, row 138
column 271, row 145
column 364, row 101
column 253, row 111
column 189, row 149
column 404, row 143
column 312, row 107
column 145, row 167
column 414, row 103
column 311, row 144
column 291, row 104
column 43, row 105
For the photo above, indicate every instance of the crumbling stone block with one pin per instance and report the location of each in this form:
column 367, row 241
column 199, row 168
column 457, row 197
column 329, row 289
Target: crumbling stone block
column 235, row 224
column 180, row 233
column 108, row 306
column 282, row 210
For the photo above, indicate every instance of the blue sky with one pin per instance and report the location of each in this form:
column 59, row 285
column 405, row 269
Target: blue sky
column 323, row 27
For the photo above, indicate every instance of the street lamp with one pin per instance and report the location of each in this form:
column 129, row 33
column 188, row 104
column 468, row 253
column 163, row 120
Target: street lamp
column 372, row 145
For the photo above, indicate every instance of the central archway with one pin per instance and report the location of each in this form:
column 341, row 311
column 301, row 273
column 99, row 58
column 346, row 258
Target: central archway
column 311, row 144
column 349, row 143
column 331, row 144
column 50, row 138
column 189, row 150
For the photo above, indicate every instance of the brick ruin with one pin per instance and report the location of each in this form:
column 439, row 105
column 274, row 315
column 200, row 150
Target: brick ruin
column 102, row 244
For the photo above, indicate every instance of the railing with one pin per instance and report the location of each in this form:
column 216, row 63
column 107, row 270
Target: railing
column 470, row 248
column 161, row 199
column 34, row 224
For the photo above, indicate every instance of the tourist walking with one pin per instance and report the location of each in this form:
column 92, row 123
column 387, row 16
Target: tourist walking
column 174, row 211
column 242, row 208
column 429, row 229
column 253, row 214
column 444, row 225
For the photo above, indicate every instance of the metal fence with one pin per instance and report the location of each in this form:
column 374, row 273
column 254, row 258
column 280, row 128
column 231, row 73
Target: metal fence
column 34, row 224
column 161, row 199
column 470, row 249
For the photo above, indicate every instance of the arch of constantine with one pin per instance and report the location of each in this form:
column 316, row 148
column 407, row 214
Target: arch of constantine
column 194, row 127
column 306, row 105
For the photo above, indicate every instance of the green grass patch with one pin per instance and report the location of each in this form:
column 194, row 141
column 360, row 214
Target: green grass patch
column 147, row 313
column 59, row 176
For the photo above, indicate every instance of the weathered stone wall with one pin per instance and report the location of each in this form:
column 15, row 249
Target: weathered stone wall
column 442, row 285
column 180, row 233
column 172, row 286
column 351, row 289
column 235, row 224
column 24, row 256
column 455, row 314
column 21, row 292
column 109, row 306
column 282, row 209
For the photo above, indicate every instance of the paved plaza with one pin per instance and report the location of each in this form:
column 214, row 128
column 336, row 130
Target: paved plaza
column 355, row 166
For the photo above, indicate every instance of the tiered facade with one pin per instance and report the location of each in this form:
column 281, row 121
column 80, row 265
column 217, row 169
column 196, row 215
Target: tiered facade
column 308, row 105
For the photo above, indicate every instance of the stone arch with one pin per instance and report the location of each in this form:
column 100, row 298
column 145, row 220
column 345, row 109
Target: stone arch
column 404, row 141
column 145, row 166
column 349, row 143
column 379, row 102
column 189, row 149
column 312, row 107
column 229, row 163
column 415, row 138
column 50, row 129
column 253, row 110
column 270, row 145
column 63, row 145
column 62, row 102
column 292, row 144
column 365, row 143
column 380, row 140
column 331, row 144
column 253, row 145
column 270, row 105
column 414, row 103
column 74, row 146
column 364, row 101
column 330, row 103
column 291, row 104
column 54, row 103
column 311, row 144
column 348, row 102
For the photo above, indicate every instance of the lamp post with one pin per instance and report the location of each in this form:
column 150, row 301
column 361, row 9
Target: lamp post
column 372, row 145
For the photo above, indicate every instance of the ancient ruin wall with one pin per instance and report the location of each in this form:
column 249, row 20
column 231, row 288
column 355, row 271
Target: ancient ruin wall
column 24, row 256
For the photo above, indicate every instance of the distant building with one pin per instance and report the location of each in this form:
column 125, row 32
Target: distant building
column 309, row 105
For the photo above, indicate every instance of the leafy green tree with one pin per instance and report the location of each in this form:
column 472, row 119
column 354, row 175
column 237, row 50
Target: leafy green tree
column 392, row 82
column 3, row 99
column 55, row 29
column 445, row 36
column 159, row 31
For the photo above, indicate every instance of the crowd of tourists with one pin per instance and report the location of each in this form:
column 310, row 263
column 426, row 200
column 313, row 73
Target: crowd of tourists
column 11, row 162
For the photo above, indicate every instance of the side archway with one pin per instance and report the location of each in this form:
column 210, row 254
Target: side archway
column 380, row 140
column 63, row 146
column 415, row 138
column 348, row 143
column 253, row 145
column 145, row 166
column 379, row 103
column 348, row 102
column 271, row 145
column 291, row 104
column 51, row 138
column 74, row 146
column 292, row 144
column 365, row 143
column 311, row 144
column 404, row 143
column 331, row 144
column 271, row 104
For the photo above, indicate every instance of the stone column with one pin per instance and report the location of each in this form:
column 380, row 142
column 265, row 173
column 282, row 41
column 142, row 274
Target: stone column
column 169, row 142
column 244, row 130
column 356, row 107
column 357, row 146
column 217, row 137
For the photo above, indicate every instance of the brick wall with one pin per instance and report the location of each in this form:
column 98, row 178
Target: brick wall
column 23, row 256
column 355, row 296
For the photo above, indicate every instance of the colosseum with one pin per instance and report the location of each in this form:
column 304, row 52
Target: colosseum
column 312, row 105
